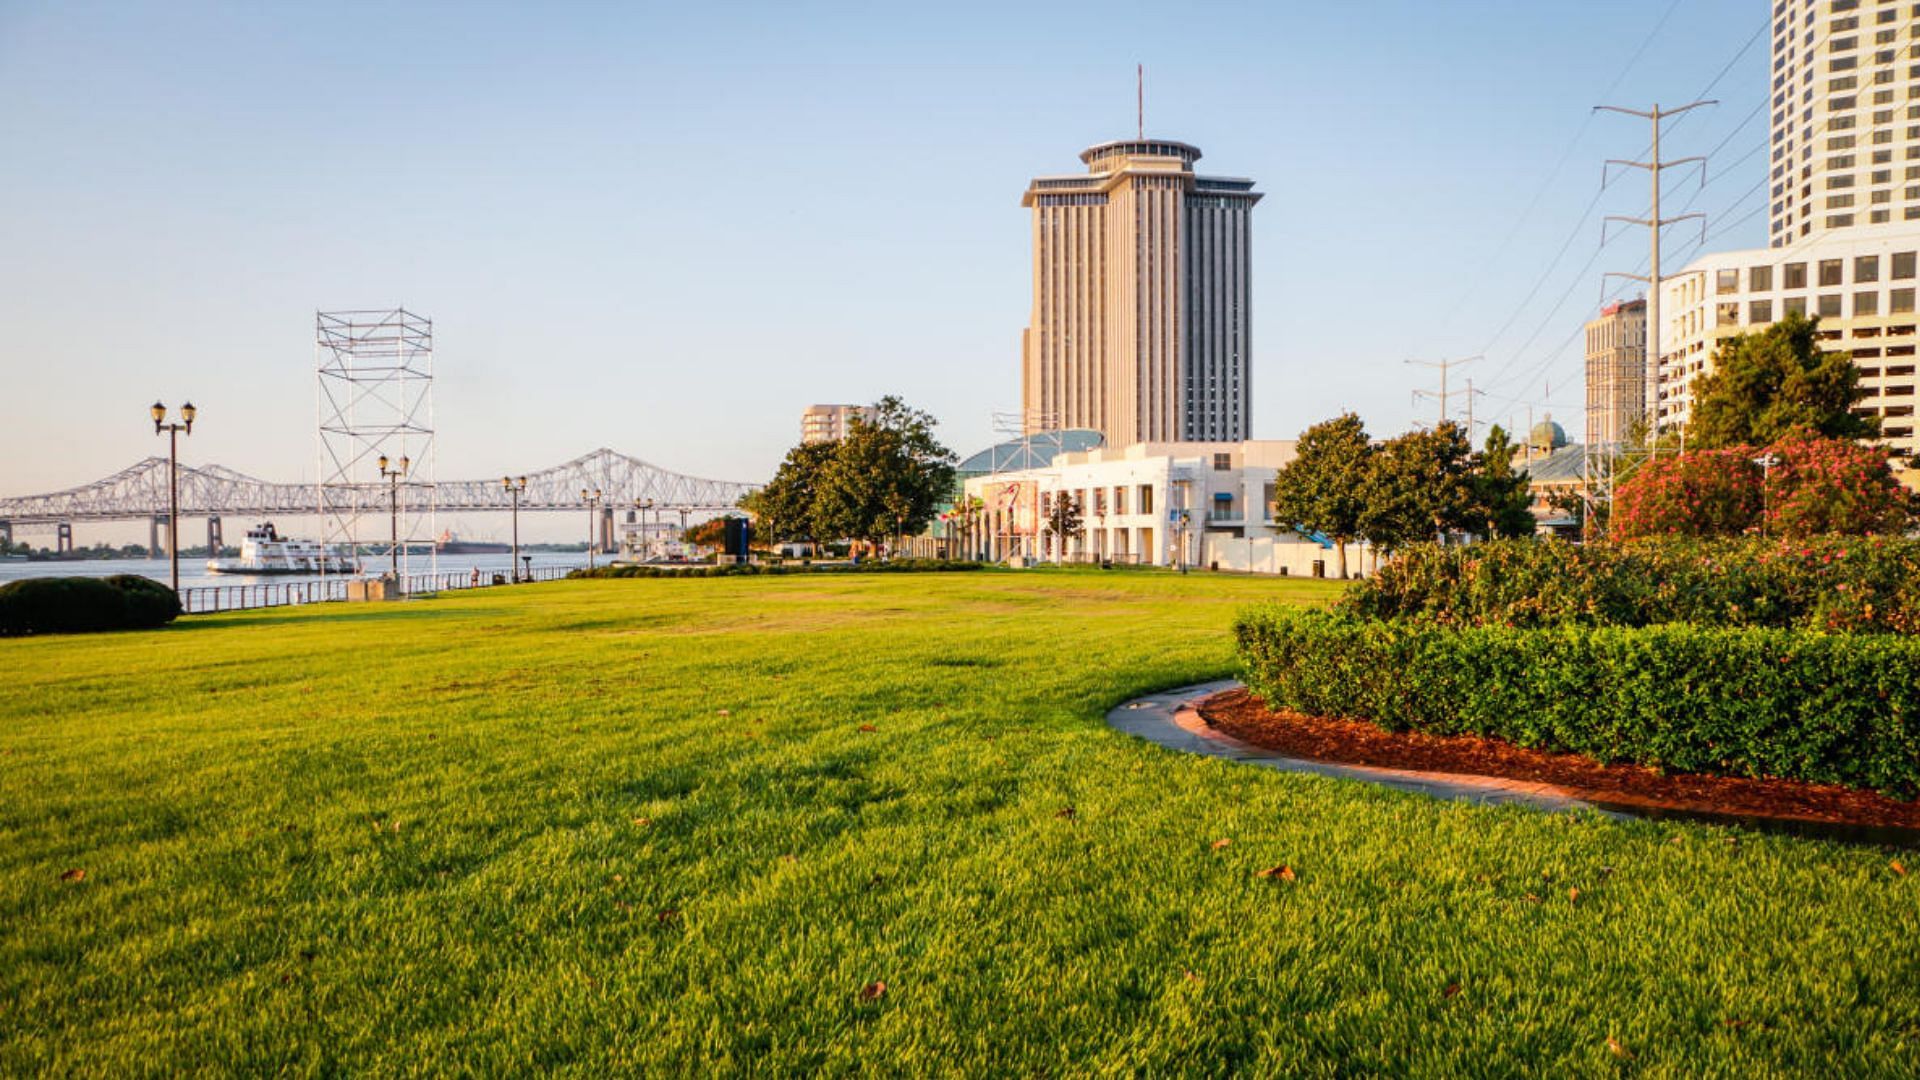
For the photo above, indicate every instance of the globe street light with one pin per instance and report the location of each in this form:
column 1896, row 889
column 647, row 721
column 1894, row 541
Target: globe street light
column 514, row 488
column 173, row 431
column 592, row 499
column 645, row 506
column 392, row 477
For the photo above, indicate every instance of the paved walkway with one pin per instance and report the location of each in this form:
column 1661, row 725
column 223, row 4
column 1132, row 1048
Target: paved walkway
column 1170, row 719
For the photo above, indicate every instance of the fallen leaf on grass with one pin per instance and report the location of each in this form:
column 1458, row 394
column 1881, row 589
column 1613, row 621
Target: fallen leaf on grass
column 1191, row 977
column 1531, row 898
column 726, row 712
column 868, row 727
column 1452, row 989
column 1064, row 812
column 642, row 821
column 75, row 874
column 1573, row 896
column 1897, row 868
column 1220, row 843
column 873, row 991
column 1619, row 1051
column 669, row 915
column 1282, row 872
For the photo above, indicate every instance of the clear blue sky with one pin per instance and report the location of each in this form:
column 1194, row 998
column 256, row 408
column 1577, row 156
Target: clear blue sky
column 667, row 228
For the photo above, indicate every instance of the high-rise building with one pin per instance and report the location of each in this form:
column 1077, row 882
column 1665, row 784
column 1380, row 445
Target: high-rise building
column 828, row 423
column 1616, row 373
column 1846, row 116
column 1141, row 326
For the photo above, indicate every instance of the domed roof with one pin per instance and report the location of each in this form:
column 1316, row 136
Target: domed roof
column 1034, row 451
column 1547, row 435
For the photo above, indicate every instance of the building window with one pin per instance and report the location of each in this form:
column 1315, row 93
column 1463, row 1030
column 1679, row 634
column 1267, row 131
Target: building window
column 1900, row 301
column 1222, row 462
column 1902, row 266
column 1866, row 303
column 1829, row 306
column 1760, row 311
column 1727, row 314
column 1831, row 271
column 1759, row 278
column 1795, row 275
column 1146, row 498
column 1866, row 268
column 1727, row 281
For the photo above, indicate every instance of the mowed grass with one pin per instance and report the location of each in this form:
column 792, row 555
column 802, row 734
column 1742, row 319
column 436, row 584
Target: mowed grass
column 642, row 826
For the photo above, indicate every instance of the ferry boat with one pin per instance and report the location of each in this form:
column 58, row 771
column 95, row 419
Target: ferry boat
column 451, row 544
column 265, row 551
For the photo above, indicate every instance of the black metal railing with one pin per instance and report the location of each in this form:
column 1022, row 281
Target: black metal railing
column 207, row 599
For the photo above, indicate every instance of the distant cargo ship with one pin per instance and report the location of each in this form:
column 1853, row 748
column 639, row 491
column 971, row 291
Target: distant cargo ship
column 449, row 544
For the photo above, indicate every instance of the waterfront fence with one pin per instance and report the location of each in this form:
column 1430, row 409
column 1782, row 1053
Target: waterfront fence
column 207, row 599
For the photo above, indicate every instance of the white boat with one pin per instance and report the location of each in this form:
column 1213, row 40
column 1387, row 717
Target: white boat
column 267, row 552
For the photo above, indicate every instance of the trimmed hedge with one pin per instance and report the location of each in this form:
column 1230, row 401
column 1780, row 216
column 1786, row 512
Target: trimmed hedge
column 1842, row 709
column 72, row 605
column 895, row 566
column 1853, row 584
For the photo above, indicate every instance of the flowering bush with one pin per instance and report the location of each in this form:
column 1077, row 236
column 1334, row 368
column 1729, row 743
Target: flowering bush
column 1698, row 493
column 1859, row 584
column 1809, row 486
column 1817, row 486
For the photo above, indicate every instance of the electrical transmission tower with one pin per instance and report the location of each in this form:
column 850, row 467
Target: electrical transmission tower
column 1600, row 462
column 1443, row 394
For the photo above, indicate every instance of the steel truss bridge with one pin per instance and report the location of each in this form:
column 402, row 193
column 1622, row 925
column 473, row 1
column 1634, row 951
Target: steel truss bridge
column 140, row 491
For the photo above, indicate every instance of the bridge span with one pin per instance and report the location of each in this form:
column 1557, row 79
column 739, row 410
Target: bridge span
column 140, row 492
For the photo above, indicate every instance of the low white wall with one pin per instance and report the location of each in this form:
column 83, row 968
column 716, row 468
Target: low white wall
column 1267, row 555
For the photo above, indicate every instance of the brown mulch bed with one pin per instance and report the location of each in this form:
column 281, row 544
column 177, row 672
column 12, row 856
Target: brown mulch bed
column 1354, row 742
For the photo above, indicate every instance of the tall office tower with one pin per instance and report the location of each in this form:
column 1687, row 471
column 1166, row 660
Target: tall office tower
column 1141, row 326
column 1846, row 116
column 1616, row 372
column 830, row 423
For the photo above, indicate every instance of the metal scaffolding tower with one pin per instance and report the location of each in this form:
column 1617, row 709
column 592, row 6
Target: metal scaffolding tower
column 374, row 411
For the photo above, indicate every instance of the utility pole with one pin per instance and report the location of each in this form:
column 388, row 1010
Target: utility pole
column 1441, row 396
column 1654, row 224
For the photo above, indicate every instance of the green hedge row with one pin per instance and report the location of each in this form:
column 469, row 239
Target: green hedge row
column 1851, row 584
column 894, row 566
column 71, row 605
column 1828, row 708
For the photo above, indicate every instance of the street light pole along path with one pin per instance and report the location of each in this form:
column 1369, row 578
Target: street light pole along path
column 514, row 488
column 592, row 499
column 159, row 413
column 392, row 477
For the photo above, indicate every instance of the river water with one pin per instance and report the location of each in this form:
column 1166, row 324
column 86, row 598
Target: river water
column 193, row 572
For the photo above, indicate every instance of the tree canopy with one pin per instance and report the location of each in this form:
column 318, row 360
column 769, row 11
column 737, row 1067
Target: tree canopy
column 1420, row 486
column 887, row 477
column 1499, row 497
column 1323, row 488
column 1768, row 383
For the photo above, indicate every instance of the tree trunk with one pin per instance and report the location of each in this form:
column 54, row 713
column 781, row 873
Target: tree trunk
column 1341, row 543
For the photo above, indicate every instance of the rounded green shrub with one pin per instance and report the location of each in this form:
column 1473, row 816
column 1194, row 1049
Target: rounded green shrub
column 72, row 605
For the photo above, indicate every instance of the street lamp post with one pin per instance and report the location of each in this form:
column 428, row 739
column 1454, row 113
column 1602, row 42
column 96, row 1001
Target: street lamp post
column 392, row 477
column 645, row 506
column 159, row 413
column 1766, row 463
column 592, row 499
column 514, row 488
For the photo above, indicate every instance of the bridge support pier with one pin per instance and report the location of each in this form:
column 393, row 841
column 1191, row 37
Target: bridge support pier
column 6, row 534
column 214, row 540
column 606, row 530
column 63, row 537
column 157, row 535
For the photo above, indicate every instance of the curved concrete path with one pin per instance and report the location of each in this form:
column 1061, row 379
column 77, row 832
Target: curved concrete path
column 1171, row 719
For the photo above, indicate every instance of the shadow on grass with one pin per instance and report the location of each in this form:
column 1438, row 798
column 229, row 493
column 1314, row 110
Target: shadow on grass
column 298, row 614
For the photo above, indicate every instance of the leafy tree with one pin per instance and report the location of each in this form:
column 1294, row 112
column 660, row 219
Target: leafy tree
column 1767, row 384
column 1323, row 489
column 1063, row 520
column 784, row 508
column 886, row 478
column 1698, row 493
column 709, row 533
column 1419, row 486
column 1500, row 498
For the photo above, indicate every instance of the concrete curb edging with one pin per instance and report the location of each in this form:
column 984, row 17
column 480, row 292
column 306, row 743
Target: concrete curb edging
column 1171, row 719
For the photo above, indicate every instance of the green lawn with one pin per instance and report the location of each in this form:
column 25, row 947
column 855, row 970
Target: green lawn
column 620, row 826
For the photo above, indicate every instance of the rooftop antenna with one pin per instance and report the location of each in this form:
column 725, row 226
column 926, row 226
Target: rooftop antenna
column 1140, row 99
